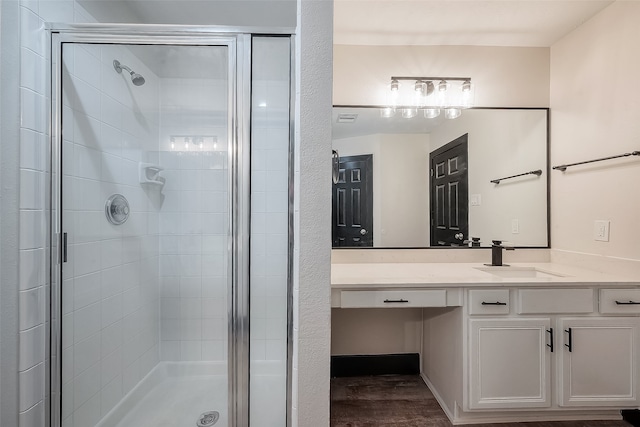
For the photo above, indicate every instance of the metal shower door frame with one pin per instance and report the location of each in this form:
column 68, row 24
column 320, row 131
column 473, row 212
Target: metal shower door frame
column 238, row 41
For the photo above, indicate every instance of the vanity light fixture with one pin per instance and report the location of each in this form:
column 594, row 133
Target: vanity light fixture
column 430, row 95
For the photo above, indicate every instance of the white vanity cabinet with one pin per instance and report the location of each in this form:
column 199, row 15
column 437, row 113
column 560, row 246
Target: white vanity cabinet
column 600, row 366
column 509, row 363
column 549, row 358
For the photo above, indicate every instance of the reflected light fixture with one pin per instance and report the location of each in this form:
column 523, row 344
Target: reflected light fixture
column 452, row 113
column 387, row 112
column 431, row 113
column 430, row 95
column 409, row 113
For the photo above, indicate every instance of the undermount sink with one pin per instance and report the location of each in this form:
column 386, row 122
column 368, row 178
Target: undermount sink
column 519, row 272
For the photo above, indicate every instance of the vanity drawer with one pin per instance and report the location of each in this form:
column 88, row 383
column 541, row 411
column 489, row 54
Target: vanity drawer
column 619, row 301
column 395, row 299
column 489, row 301
column 549, row 301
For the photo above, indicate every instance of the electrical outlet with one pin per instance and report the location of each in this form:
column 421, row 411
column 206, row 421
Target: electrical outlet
column 515, row 226
column 601, row 230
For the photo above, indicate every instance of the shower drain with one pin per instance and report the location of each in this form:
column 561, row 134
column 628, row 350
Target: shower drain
column 207, row 419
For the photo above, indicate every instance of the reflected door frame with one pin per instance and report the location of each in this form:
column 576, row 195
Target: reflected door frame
column 352, row 202
column 449, row 193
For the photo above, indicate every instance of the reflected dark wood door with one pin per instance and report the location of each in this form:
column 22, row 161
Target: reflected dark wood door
column 353, row 202
column 449, row 193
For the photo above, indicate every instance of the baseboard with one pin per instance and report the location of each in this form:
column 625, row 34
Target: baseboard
column 375, row 364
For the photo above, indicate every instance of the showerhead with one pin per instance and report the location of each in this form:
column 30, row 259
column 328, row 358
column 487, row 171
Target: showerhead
column 136, row 78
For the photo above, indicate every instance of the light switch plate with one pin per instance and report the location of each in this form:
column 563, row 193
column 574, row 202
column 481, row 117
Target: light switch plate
column 601, row 230
column 475, row 199
column 515, row 226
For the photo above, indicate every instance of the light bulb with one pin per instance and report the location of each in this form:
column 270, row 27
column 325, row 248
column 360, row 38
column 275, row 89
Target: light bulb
column 409, row 113
column 431, row 113
column 443, row 85
column 395, row 85
column 466, row 86
column 387, row 112
column 419, row 86
column 430, row 87
column 452, row 113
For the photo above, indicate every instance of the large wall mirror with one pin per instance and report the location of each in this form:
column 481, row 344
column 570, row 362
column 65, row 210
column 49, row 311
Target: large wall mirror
column 435, row 182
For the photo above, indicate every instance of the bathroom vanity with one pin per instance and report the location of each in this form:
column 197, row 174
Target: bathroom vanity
column 529, row 341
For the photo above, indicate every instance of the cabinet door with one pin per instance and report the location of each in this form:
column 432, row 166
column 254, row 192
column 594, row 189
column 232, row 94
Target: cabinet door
column 601, row 368
column 509, row 363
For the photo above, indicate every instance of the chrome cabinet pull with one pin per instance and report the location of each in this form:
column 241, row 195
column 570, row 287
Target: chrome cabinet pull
column 395, row 300
column 493, row 303
column 550, row 345
column 628, row 303
column 570, row 345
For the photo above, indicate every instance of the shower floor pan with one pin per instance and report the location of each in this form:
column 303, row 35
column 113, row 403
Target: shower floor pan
column 173, row 394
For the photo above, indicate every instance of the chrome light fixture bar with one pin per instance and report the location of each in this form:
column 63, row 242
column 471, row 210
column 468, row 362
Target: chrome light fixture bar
column 429, row 96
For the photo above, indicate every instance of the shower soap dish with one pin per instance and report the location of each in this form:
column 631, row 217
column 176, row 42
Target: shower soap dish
column 150, row 174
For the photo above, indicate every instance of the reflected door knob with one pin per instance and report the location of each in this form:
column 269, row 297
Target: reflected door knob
column 459, row 236
column 363, row 231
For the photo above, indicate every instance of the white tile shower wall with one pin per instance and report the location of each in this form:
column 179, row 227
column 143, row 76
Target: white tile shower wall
column 269, row 225
column 33, row 294
column 110, row 288
column 194, row 219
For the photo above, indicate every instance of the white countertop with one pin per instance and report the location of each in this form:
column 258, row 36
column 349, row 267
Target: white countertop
column 428, row 275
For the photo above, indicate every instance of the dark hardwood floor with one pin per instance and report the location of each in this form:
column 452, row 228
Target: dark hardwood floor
column 405, row 401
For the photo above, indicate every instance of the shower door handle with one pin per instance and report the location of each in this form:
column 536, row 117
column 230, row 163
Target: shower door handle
column 64, row 247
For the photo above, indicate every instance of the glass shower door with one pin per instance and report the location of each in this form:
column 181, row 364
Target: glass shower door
column 146, row 191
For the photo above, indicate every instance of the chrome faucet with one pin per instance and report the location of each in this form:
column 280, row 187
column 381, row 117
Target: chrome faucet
column 496, row 253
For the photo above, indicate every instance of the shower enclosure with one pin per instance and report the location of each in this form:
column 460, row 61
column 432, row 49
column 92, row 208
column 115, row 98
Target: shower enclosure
column 170, row 227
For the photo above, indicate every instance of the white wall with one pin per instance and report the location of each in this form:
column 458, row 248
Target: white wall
column 312, row 222
column 594, row 113
column 504, row 144
column 400, row 202
column 503, row 76
column 376, row 331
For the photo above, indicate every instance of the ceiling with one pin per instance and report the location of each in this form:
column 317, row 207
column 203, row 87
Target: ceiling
column 538, row 23
column 230, row 13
